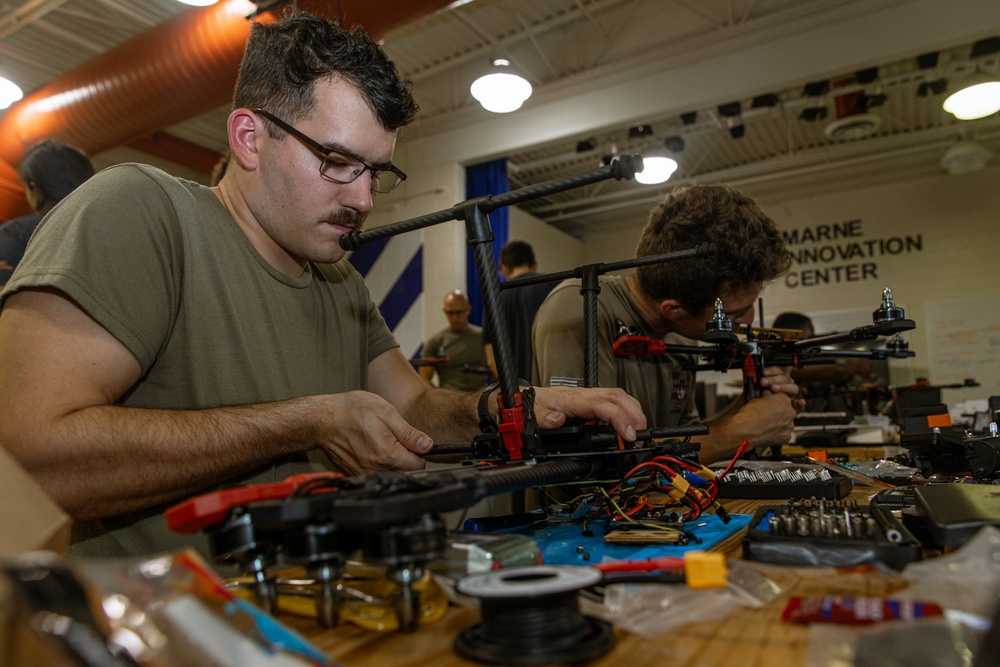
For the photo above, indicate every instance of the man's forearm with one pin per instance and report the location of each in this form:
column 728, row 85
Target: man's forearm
column 448, row 416
column 720, row 444
column 107, row 460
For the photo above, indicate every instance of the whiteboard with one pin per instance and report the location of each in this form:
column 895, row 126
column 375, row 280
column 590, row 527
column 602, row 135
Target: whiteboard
column 964, row 342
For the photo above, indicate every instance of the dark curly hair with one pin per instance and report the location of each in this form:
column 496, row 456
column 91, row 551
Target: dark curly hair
column 283, row 60
column 751, row 250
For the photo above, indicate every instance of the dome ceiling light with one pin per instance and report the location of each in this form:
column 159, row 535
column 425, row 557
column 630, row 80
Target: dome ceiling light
column 10, row 92
column 978, row 97
column 501, row 90
column 656, row 169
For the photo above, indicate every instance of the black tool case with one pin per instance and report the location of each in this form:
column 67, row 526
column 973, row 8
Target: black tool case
column 891, row 544
column 767, row 480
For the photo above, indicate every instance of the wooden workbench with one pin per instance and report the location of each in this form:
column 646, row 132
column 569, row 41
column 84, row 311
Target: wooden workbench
column 746, row 638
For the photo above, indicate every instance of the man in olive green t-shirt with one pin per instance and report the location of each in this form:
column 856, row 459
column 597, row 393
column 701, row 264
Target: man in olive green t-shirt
column 162, row 338
column 456, row 353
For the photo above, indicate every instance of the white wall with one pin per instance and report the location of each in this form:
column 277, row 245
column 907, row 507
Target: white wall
column 955, row 221
column 427, row 189
column 554, row 250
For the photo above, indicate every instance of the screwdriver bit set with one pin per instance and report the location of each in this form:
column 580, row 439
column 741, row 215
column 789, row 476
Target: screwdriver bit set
column 836, row 533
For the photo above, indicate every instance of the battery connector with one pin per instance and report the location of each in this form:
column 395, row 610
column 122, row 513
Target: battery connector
column 705, row 569
column 678, row 488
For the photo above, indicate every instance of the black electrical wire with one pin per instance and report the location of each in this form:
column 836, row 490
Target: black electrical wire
column 534, row 631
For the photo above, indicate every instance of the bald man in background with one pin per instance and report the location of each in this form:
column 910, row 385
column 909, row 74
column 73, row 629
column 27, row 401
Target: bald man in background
column 456, row 353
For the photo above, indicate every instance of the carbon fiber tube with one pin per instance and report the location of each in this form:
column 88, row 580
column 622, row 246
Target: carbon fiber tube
column 699, row 251
column 590, row 288
column 514, row 478
column 625, row 167
column 479, row 237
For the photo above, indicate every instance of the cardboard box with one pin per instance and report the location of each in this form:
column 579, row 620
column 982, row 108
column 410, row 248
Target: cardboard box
column 31, row 521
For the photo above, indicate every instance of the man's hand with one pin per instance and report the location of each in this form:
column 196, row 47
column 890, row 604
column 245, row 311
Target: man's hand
column 364, row 433
column 777, row 381
column 554, row 404
column 767, row 420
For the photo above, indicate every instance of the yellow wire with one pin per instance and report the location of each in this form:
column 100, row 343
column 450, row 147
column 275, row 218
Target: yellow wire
column 633, row 521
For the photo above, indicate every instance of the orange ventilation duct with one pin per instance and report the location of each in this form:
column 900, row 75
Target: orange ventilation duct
column 172, row 72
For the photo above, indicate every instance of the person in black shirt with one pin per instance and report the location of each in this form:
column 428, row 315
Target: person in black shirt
column 517, row 260
column 49, row 170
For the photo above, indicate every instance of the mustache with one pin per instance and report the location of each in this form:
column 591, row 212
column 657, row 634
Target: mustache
column 346, row 217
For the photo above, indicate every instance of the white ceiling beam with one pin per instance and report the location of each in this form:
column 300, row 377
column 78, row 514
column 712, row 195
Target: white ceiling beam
column 27, row 13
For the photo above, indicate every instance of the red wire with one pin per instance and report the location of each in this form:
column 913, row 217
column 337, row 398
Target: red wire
column 739, row 452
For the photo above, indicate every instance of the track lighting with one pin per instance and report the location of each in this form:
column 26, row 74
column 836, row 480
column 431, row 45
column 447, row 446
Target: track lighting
column 866, row 75
column 813, row 113
column 816, row 88
column 729, row 109
column 865, row 102
column 935, row 87
column 766, row 101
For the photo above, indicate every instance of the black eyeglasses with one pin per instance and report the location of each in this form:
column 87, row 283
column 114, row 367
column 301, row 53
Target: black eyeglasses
column 341, row 168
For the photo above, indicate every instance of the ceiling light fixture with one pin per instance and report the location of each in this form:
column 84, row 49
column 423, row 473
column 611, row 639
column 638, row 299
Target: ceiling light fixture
column 928, row 60
column 816, row 88
column 978, row 97
column 656, row 169
column 813, row 113
column 935, row 87
column 729, row 109
column 638, row 131
column 965, row 157
column 501, row 90
column 10, row 92
column 985, row 47
column 674, row 144
column 765, row 101
column 866, row 75
column 865, row 101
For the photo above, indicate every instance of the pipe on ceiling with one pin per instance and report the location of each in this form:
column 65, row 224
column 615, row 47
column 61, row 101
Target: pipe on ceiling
column 169, row 73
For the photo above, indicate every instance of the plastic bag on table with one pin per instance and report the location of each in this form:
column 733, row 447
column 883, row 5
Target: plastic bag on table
column 883, row 469
column 966, row 583
column 935, row 642
column 966, row 580
column 652, row 609
column 162, row 611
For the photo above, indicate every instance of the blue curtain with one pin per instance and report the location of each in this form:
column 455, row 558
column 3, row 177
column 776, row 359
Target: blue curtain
column 488, row 178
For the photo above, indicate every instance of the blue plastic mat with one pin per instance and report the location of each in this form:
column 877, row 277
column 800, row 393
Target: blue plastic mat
column 560, row 542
